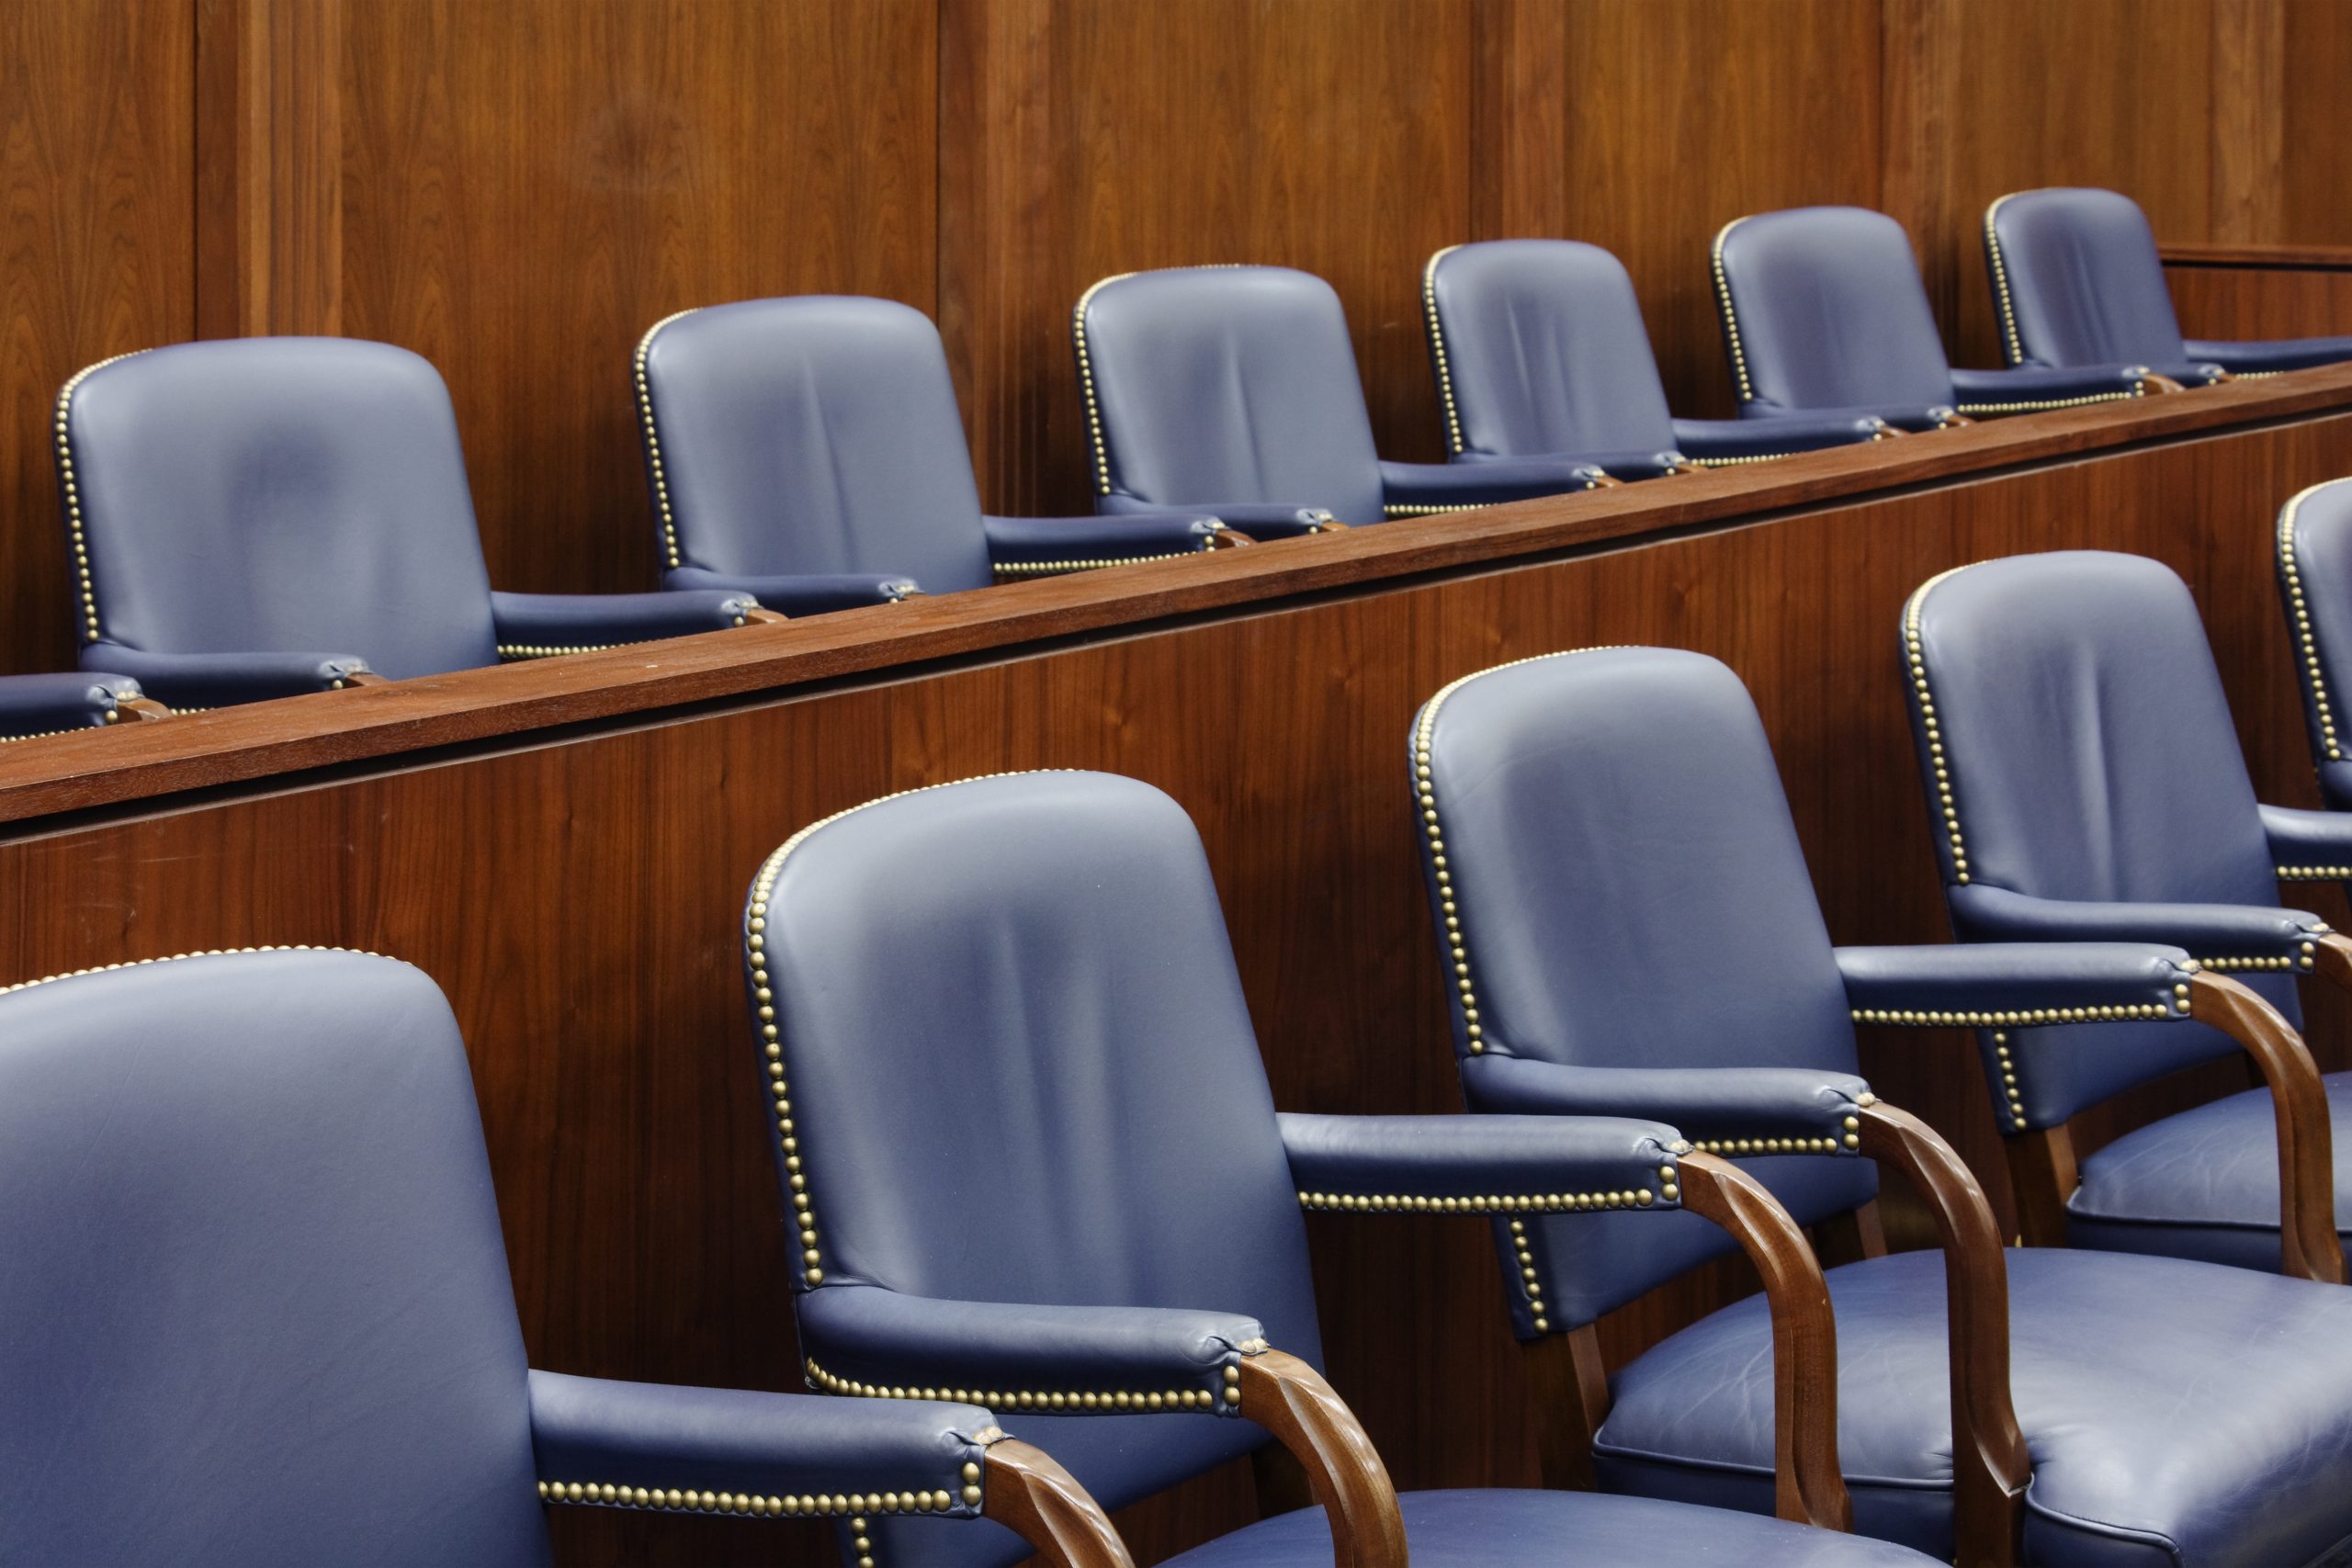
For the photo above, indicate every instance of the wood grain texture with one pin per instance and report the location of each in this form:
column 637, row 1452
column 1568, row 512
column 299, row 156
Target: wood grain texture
column 2241, row 292
column 575, row 891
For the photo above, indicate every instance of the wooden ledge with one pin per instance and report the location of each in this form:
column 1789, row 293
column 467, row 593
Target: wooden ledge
column 2296, row 258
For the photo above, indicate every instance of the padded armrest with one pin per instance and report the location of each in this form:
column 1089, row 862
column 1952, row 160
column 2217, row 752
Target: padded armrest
column 1995, row 391
column 1496, row 480
column 1102, row 1360
column 1651, row 464
column 1258, row 519
column 1999, row 984
column 222, row 679
column 593, row 1433
column 532, row 626
column 2309, row 846
column 2271, row 358
column 1716, row 440
column 1478, row 1164
column 1798, row 1106
column 1913, row 417
column 2211, row 932
column 35, row 704
column 1097, row 541
column 810, row 593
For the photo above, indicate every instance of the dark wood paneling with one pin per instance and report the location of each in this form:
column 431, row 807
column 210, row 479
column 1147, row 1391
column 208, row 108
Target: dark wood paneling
column 97, row 229
column 2315, row 162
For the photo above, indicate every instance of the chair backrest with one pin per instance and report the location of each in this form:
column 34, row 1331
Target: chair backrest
column 1625, row 888
column 2076, row 280
column 274, row 495
column 1226, row 384
column 2314, row 559
column 1020, row 1069
column 1823, row 308
column 2084, row 749
column 809, row 435
column 1539, row 348
column 256, row 1302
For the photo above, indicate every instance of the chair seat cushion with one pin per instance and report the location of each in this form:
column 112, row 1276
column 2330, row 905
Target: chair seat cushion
column 2177, row 1413
column 2202, row 1184
column 1557, row 1530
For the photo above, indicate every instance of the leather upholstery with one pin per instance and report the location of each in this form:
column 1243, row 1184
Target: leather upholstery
column 2077, row 281
column 1409, row 488
column 1454, row 1157
column 1823, row 309
column 818, row 438
column 35, row 704
column 1750, row 1103
column 2098, row 795
column 2314, row 564
column 265, row 515
column 2177, row 1414
column 2309, row 844
column 809, row 593
column 257, row 1303
column 1260, row 520
column 1706, row 441
column 2014, row 978
column 1539, row 348
column 530, row 621
column 1021, row 546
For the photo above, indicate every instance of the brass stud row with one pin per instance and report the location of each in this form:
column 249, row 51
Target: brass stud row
column 2306, row 645
column 1768, row 1145
column 519, row 652
column 750, row 1505
column 654, row 442
column 1947, row 807
column 2017, row 1018
column 2301, row 961
column 1054, row 567
column 2010, row 1093
column 1096, row 1402
column 1437, row 347
column 71, row 488
column 1974, row 411
column 1483, row 1204
column 2009, row 339
column 1731, row 315
column 178, row 958
column 2314, row 873
column 1097, row 450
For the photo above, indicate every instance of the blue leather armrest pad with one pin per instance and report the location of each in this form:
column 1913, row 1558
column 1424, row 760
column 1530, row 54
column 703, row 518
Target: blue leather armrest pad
column 1703, row 439
column 34, row 705
column 2335, row 783
column 1484, row 484
column 221, row 679
column 1474, row 1156
column 1918, row 985
column 567, row 620
column 1709, row 1103
column 2307, row 839
column 1914, row 417
column 1653, row 464
column 1258, row 519
column 2281, row 354
column 1129, row 536
column 2043, row 383
column 1001, row 1352
column 2206, row 931
column 807, row 594
column 595, row 1430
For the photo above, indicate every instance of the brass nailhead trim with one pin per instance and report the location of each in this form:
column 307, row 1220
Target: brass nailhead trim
column 512, row 652
column 2011, row 1095
column 73, row 494
column 1773, row 1145
column 1054, row 568
column 1487, row 1203
column 2306, row 645
column 1437, row 346
column 1099, row 1401
column 181, row 957
column 1760, row 457
column 2020, row 1017
column 1730, row 315
column 2314, row 873
column 653, row 440
column 1945, row 803
column 2301, row 961
column 2138, row 388
column 2001, row 284
column 750, row 1505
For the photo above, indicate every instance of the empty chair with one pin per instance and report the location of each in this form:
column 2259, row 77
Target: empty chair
column 258, row 1309
column 1235, row 388
column 2314, row 559
column 809, row 451
column 1030, row 1151
column 1823, row 310
column 2085, row 783
column 2076, row 281
column 257, row 517
column 49, row 705
column 1539, row 349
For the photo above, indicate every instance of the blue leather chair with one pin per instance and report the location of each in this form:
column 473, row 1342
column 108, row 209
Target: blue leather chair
column 1235, row 388
column 258, row 517
column 1030, row 1150
column 810, row 452
column 1823, row 311
column 2085, row 781
column 258, row 1309
column 2076, row 280
column 32, row 705
column 1539, row 349
column 2315, row 590
column 1628, row 925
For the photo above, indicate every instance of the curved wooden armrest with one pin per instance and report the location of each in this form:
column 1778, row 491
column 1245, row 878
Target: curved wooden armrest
column 1990, row 1464
column 1686, row 466
column 1604, row 480
column 761, row 615
column 1953, row 421
column 1036, row 1498
column 2153, row 383
column 1806, row 1483
column 1331, row 525
column 1886, row 432
column 1290, row 1399
column 145, row 710
column 2308, row 1244
column 1229, row 539
column 366, row 678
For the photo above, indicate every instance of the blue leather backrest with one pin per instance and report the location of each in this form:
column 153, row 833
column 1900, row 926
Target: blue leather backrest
column 2077, row 281
column 1540, row 348
column 1631, row 894
column 1022, row 1070
column 2091, row 756
column 278, row 495
column 1227, row 383
column 257, row 1307
column 816, row 434
column 2314, row 559
column 1823, row 308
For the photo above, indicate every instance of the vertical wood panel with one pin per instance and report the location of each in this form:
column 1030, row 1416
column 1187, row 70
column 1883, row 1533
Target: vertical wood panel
column 2316, row 144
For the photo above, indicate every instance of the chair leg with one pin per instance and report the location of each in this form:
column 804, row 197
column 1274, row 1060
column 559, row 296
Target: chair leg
column 1281, row 1480
column 1570, row 1389
column 2041, row 1177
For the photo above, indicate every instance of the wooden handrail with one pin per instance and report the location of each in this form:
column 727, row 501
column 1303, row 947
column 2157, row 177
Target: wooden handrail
column 1035, row 1498
column 1290, row 1399
column 2308, row 1245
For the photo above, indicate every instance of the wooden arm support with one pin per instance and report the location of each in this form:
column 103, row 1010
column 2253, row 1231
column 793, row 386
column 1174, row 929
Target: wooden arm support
column 761, row 615
column 2153, row 383
column 1229, row 539
column 1806, row 1483
column 144, row 710
column 2308, row 1244
column 1990, row 1464
column 1037, row 1499
column 1290, row 1399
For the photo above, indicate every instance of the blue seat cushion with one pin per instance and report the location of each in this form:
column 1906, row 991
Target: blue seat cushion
column 2202, row 1184
column 2177, row 1414
column 1557, row 1530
